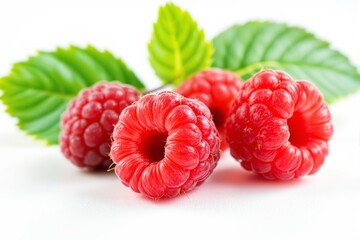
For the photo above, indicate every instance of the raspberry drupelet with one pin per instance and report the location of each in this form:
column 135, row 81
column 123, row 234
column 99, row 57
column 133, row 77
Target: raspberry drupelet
column 88, row 123
column 164, row 145
column 217, row 89
column 279, row 128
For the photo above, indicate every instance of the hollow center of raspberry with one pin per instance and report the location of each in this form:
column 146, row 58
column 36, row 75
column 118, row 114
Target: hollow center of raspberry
column 218, row 117
column 153, row 145
column 298, row 136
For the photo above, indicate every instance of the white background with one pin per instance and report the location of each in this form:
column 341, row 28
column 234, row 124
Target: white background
column 42, row 196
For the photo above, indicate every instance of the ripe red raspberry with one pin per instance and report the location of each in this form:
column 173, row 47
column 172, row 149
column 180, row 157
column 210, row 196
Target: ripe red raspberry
column 164, row 145
column 279, row 128
column 217, row 89
column 89, row 120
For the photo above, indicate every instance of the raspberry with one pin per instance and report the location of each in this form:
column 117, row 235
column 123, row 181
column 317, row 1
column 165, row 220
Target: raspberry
column 165, row 145
column 89, row 120
column 217, row 89
column 279, row 128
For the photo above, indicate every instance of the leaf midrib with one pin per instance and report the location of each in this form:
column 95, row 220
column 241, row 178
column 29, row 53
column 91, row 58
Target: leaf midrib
column 47, row 92
column 275, row 63
column 178, row 64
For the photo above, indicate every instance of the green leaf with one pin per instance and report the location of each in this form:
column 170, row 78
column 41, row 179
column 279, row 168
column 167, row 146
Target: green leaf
column 246, row 49
column 37, row 91
column 178, row 48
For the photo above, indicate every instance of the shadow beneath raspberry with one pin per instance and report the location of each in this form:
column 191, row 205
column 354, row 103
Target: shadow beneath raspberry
column 98, row 173
column 241, row 178
column 164, row 201
column 52, row 170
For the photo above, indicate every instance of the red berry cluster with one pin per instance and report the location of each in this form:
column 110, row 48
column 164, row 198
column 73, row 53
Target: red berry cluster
column 167, row 143
column 279, row 128
column 88, row 123
column 217, row 89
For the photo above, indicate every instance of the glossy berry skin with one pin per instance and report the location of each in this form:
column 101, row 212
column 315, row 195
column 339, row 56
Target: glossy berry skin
column 279, row 128
column 217, row 89
column 165, row 145
column 89, row 120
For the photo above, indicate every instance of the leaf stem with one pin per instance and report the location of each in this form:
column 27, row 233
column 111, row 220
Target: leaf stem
column 155, row 89
column 254, row 67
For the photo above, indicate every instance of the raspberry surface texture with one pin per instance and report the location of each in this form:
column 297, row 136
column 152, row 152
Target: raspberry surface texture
column 217, row 89
column 279, row 128
column 88, row 123
column 165, row 145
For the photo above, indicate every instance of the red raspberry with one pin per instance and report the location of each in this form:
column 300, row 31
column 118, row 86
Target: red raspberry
column 89, row 121
column 165, row 145
column 217, row 89
column 279, row 128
